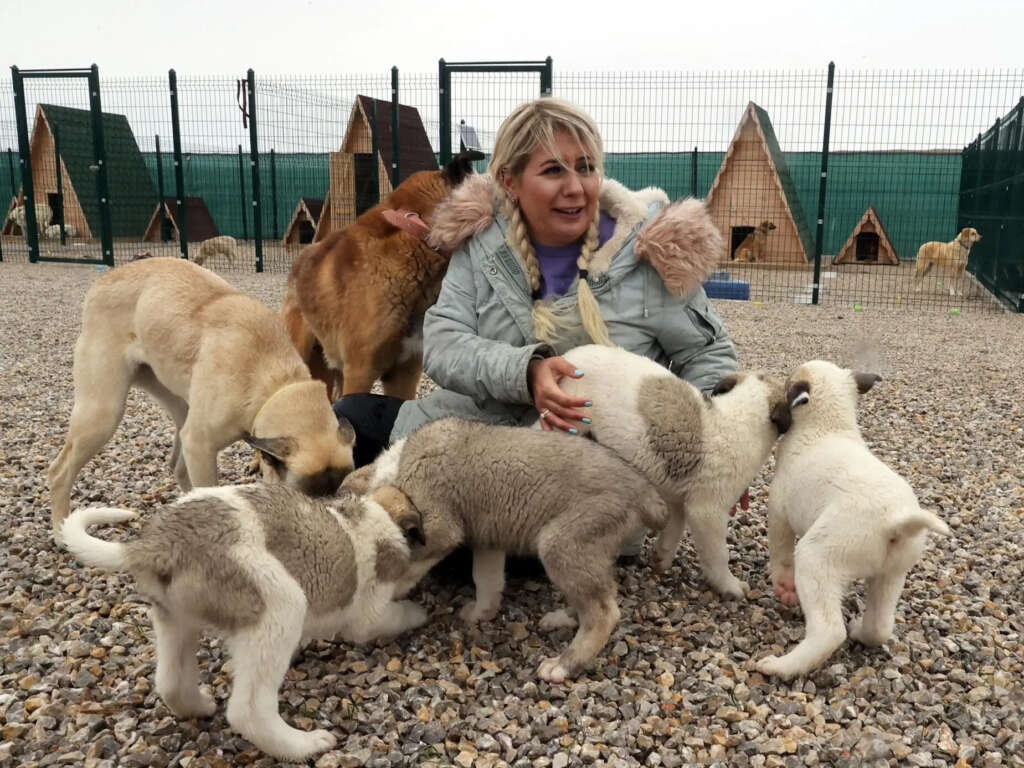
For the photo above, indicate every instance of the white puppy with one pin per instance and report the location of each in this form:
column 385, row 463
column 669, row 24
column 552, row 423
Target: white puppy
column 855, row 519
column 266, row 567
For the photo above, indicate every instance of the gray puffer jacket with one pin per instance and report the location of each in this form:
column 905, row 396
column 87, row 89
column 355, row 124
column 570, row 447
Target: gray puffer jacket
column 478, row 337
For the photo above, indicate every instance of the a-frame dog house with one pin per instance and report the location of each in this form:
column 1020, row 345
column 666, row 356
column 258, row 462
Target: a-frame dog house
column 868, row 243
column 753, row 184
column 131, row 188
column 199, row 224
column 9, row 226
column 302, row 226
column 357, row 178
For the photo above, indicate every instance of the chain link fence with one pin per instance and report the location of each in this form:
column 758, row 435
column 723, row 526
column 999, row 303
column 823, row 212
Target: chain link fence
column 274, row 162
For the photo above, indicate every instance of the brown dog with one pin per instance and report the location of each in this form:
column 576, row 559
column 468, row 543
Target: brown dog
column 950, row 257
column 218, row 361
column 752, row 247
column 355, row 301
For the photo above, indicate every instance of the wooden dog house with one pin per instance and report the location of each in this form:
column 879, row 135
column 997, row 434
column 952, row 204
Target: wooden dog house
column 131, row 188
column 358, row 180
column 8, row 226
column 199, row 224
column 302, row 227
column 868, row 243
column 753, row 184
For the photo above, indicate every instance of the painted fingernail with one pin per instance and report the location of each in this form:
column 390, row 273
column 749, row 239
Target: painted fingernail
column 587, row 404
column 573, row 431
column 577, row 372
column 585, row 419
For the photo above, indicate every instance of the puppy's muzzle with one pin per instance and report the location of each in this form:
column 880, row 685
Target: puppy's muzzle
column 323, row 483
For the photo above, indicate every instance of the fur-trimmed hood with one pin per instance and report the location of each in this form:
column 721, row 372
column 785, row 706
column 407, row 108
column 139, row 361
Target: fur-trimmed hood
column 680, row 241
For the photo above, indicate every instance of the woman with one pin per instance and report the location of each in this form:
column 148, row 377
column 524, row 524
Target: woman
column 548, row 254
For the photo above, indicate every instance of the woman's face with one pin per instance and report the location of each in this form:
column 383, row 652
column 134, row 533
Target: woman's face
column 558, row 201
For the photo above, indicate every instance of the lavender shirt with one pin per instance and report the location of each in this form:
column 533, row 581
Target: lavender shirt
column 558, row 262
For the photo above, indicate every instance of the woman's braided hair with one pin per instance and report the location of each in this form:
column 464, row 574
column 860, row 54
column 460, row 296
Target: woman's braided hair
column 529, row 126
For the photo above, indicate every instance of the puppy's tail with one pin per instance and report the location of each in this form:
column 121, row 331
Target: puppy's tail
column 108, row 555
column 653, row 511
column 917, row 521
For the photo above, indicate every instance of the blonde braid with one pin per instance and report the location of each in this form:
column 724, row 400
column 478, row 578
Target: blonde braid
column 590, row 312
column 518, row 238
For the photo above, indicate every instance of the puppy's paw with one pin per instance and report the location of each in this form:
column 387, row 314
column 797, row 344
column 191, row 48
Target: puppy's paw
column 732, row 588
column 414, row 615
column 473, row 613
column 777, row 666
column 194, row 704
column 856, row 631
column 303, row 745
column 552, row 670
column 559, row 619
column 784, row 586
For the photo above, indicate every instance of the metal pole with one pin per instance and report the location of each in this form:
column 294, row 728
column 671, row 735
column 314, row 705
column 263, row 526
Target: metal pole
column 375, row 149
column 273, row 192
column 445, row 112
column 164, row 229
column 31, row 226
column 395, row 106
column 179, row 170
column 547, row 77
column 102, row 182
column 60, row 184
column 241, row 197
column 693, row 173
column 254, row 161
column 820, row 236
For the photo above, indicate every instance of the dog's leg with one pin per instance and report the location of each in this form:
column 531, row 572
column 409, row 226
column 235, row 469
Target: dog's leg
column 392, row 619
column 821, row 587
column 875, row 626
column 178, row 410
column 357, row 378
column 177, row 671
column 261, row 655
column 668, row 540
column 598, row 615
column 403, row 380
column 489, row 578
column 414, row 574
column 101, row 389
column 922, row 269
column 199, row 452
column 781, row 542
column 710, row 529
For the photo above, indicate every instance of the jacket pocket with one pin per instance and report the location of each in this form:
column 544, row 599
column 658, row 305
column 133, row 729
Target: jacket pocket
column 706, row 321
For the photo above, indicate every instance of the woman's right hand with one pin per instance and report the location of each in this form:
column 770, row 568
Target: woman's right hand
column 557, row 409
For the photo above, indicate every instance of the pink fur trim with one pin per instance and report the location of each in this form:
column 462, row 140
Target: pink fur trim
column 468, row 210
column 682, row 244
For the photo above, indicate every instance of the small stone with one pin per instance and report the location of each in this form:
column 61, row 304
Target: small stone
column 979, row 694
column 465, row 759
column 561, row 760
column 518, row 630
column 29, row 681
column 589, row 753
column 394, row 665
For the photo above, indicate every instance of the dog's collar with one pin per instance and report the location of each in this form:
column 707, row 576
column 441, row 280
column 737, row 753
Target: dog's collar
column 277, row 392
column 961, row 244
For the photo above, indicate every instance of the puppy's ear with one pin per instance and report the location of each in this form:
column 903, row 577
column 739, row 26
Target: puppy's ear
column 461, row 166
column 346, row 434
column 799, row 393
column 865, row 381
column 726, row 384
column 402, row 511
column 359, row 480
column 277, row 448
column 782, row 417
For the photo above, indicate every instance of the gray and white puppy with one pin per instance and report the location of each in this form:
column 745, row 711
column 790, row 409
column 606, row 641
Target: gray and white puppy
column 266, row 567
column 513, row 490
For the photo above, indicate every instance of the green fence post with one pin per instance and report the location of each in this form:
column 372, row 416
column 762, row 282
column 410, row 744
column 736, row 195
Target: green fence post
column 819, row 238
column 254, row 162
column 31, row 225
column 444, row 80
column 273, row 193
column 241, row 195
column 693, row 173
column 102, row 181
column 394, row 128
column 60, row 183
column 547, row 77
column 179, row 170
column 164, row 228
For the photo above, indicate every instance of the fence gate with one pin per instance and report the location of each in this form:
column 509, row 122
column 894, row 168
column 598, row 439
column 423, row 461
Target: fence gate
column 69, row 149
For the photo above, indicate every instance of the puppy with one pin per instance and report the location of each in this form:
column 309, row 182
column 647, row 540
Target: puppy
column 266, row 568
column 700, row 452
column 53, row 231
column 753, row 246
column 18, row 216
column 509, row 489
column 950, row 257
column 855, row 519
column 355, row 301
column 219, row 362
column 222, row 245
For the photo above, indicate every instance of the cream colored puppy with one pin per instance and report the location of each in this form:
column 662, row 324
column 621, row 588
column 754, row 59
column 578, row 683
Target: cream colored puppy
column 836, row 513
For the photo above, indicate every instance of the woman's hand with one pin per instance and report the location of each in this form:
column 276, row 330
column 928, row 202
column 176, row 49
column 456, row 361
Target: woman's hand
column 556, row 408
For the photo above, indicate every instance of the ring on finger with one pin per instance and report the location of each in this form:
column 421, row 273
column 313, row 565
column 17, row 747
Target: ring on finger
column 544, row 413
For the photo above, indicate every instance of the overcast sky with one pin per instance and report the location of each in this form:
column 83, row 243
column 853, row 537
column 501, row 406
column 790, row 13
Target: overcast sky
column 132, row 37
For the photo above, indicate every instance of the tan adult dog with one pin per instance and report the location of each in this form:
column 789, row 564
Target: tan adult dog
column 951, row 257
column 752, row 247
column 355, row 301
column 219, row 362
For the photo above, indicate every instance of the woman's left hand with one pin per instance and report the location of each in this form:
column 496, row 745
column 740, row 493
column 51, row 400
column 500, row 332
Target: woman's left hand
column 557, row 409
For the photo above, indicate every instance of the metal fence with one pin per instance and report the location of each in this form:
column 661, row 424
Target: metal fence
column 855, row 170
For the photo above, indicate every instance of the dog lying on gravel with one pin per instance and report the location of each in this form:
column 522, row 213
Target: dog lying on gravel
column 267, row 568
column 218, row 361
column 522, row 491
column 700, row 452
column 855, row 519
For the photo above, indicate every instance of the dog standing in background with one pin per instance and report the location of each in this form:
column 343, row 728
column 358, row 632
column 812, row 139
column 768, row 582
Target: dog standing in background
column 949, row 257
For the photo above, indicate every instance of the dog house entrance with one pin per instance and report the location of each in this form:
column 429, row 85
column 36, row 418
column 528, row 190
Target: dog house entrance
column 867, row 246
column 367, row 182
column 306, row 232
column 739, row 234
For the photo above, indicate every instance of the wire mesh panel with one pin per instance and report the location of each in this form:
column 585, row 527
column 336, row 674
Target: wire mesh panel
column 10, row 170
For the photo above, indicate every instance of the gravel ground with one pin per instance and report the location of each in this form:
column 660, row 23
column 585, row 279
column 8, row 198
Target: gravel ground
column 675, row 684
